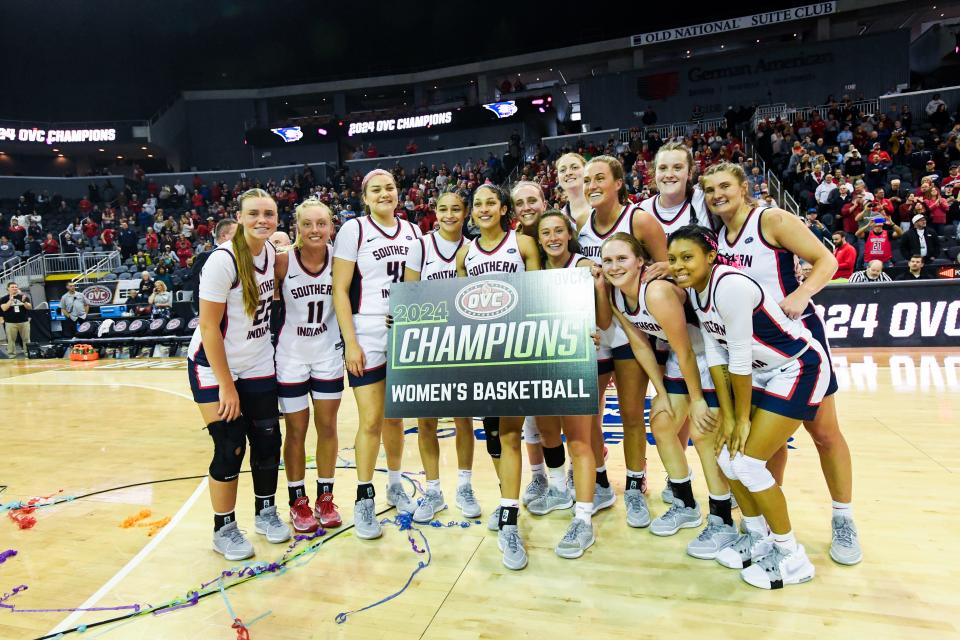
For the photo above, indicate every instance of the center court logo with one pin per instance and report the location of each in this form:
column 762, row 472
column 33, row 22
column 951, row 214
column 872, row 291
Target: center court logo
column 486, row 300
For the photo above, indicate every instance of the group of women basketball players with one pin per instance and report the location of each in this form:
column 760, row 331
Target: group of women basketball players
column 695, row 293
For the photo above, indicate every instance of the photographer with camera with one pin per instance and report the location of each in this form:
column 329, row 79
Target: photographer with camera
column 16, row 309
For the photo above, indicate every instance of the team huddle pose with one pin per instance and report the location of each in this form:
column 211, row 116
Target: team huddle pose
column 695, row 294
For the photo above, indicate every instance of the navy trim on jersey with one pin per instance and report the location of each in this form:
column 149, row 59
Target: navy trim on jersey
column 436, row 248
column 293, row 389
column 686, row 203
column 769, row 333
column 733, row 243
column 356, row 289
column 266, row 259
column 384, row 233
column 326, row 263
column 506, row 236
column 370, row 376
column 814, row 324
column 786, row 275
column 623, row 212
column 678, row 386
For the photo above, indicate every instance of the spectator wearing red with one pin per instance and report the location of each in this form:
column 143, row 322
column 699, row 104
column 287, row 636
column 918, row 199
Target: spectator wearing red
column 203, row 229
column 845, row 254
column 50, row 244
column 412, row 146
column 134, row 205
column 878, row 244
column 427, row 220
column 90, row 229
column 184, row 251
column 107, row 238
column 851, row 210
column 196, row 199
column 371, row 151
column 938, row 206
column 954, row 176
column 152, row 241
column 197, row 182
column 85, row 205
column 885, row 204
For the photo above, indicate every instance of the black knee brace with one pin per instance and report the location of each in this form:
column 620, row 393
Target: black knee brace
column 491, row 429
column 229, row 445
column 265, row 444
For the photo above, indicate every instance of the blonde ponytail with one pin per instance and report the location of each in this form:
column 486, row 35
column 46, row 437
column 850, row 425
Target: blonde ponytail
column 241, row 250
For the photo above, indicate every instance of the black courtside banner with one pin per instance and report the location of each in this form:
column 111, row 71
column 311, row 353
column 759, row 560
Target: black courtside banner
column 892, row 314
column 497, row 345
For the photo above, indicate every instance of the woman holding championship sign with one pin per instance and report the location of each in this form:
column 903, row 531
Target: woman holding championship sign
column 434, row 257
column 499, row 249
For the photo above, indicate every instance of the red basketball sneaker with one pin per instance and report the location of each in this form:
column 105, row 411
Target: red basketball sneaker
column 301, row 516
column 326, row 512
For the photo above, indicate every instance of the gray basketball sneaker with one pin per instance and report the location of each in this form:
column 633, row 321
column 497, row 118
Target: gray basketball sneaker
column 431, row 504
column 509, row 542
column 536, row 489
column 230, row 542
column 365, row 521
column 552, row 500
column 493, row 523
column 603, row 497
column 845, row 548
column 714, row 537
column 467, row 501
column 397, row 497
column 638, row 515
column 747, row 548
column 667, row 494
column 268, row 523
column 677, row 517
column 578, row 538
column 779, row 568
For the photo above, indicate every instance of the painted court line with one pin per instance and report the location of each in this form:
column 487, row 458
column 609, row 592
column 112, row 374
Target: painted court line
column 71, row 620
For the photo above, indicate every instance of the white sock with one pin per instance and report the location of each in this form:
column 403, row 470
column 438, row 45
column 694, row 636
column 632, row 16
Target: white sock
column 725, row 496
column 538, row 469
column 631, row 473
column 464, row 477
column 584, row 511
column 393, row 477
column 786, row 541
column 756, row 524
column 298, row 483
column 558, row 478
column 434, row 485
column 603, row 468
column 843, row 509
column 508, row 502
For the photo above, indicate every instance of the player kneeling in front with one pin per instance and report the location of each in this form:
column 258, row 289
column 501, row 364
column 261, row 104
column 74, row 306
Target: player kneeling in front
column 778, row 376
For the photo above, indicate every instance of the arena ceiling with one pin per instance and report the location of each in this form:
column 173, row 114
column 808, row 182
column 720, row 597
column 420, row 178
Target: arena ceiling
column 114, row 59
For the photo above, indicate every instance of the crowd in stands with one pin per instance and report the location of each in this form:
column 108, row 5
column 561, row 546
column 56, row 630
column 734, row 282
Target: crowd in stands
column 874, row 186
column 885, row 181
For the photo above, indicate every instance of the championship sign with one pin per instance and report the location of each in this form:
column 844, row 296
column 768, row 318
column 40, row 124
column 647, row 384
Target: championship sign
column 496, row 345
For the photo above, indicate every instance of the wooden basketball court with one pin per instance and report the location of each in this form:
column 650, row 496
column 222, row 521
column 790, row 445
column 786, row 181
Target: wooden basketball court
column 70, row 429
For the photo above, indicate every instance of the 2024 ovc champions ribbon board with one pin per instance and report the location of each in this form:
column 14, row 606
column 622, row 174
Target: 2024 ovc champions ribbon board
column 496, row 345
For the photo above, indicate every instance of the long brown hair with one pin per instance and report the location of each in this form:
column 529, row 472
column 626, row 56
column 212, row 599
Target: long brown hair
column 616, row 172
column 241, row 250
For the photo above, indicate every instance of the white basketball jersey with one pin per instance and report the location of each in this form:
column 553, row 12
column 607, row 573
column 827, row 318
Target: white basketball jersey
column 380, row 256
column 309, row 332
column 771, row 267
column 246, row 340
column 776, row 338
column 591, row 240
column 692, row 211
column 439, row 257
column 504, row 258
column 644, row 320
